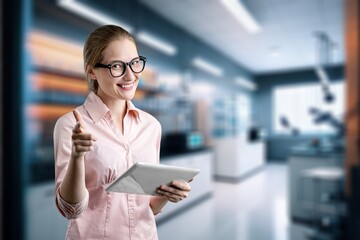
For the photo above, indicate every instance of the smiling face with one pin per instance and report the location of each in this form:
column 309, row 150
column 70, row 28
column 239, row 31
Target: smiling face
column 117, row 88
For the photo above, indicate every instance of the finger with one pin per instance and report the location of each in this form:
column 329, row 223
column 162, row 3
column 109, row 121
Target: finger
column 82, row 149
column 173, row 192
column 77, row 115
column 82, row 136
column 79, row 119
column 84, row 143
column 78, row 128
column 171, row 197
column 182, row 185
column 174, row 200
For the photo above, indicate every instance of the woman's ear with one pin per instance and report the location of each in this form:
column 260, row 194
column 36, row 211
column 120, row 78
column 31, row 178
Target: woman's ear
column 91, row 73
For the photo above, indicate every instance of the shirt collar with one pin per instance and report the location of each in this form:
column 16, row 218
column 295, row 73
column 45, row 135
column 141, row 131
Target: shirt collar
column 133, row 111
column 97, row 109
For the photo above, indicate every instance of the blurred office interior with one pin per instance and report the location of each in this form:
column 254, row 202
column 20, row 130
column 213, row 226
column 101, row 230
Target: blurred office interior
column 266, row 103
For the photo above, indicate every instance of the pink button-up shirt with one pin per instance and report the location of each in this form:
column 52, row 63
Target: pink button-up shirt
column 101, row 214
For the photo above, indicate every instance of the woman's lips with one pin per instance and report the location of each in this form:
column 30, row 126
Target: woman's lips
column 128, row 86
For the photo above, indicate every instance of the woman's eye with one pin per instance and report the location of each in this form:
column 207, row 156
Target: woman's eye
column 116, row 66
column 135, row 62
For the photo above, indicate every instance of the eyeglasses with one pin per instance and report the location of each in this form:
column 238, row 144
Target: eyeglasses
column 118, row 68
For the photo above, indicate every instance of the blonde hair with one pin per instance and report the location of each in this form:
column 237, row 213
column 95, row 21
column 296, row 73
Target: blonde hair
column 95, row 45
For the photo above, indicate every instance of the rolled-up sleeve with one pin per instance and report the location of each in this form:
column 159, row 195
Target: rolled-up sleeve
column 62, row 151
column 71, row 210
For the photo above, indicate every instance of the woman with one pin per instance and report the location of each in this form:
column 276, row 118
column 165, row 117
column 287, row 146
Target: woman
column 101, row 139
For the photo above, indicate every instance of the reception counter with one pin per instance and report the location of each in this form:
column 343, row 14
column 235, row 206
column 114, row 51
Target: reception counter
column 236, row 158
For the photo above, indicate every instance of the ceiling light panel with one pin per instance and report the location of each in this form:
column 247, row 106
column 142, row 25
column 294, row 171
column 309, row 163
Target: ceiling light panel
column 157, row 43
column 242, row 14
column 245, row 83
column 92, row 14
column 207, row 66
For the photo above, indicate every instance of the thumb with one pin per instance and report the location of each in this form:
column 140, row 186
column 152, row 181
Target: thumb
column 80, row 123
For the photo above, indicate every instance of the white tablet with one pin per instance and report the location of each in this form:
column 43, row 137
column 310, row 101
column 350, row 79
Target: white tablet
column 145, row 178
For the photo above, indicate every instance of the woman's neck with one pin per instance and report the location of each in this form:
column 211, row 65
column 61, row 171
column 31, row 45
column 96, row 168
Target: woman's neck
column 118, row 109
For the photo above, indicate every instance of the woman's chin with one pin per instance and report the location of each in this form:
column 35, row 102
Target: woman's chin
column 128, row 95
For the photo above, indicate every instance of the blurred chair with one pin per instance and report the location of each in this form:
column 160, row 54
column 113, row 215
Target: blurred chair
column 326, row 202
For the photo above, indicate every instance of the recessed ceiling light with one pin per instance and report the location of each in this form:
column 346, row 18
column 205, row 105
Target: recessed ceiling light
column 245, row 83
column 242, row 14
column 92, row 14
column 207, row 66
column 157, row 43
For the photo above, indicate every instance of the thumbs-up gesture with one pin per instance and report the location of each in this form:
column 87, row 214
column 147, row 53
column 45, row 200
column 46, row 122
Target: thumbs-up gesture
column 82, row 140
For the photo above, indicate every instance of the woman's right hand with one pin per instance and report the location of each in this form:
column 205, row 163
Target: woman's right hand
column 82, row 141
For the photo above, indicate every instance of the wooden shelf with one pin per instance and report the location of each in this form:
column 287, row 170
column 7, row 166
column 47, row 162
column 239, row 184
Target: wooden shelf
column 46, row 81
column 55, row 52
column 48, row 111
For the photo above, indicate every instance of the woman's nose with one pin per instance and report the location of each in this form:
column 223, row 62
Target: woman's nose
column 129, row 75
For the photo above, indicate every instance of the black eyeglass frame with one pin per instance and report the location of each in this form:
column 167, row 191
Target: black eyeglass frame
column 108, row 66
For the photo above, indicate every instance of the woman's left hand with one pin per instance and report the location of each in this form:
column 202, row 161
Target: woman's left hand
column 176, row 191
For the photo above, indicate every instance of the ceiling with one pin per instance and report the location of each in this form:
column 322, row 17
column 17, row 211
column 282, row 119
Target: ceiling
column 287, row 39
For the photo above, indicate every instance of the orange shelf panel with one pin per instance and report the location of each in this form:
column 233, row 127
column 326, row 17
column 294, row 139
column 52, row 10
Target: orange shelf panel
column 47, row 111
column 46, row 81
column 55, row 52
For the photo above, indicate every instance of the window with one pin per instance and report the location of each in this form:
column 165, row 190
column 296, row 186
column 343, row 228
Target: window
column 295, row 102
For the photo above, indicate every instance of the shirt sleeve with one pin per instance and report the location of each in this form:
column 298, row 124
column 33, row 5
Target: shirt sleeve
column 62, row 151
column 71, row 210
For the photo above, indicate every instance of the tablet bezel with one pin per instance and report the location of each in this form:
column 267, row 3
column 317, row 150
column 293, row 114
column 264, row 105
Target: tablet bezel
column 145, row 178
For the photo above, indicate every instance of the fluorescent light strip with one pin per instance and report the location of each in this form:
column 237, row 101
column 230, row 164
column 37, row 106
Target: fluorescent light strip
column 92, row 14
column 206, row 66
column 241, row 81
column 156, row 43
column 239, row 11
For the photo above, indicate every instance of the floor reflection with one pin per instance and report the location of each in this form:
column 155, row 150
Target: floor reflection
column 255, row 209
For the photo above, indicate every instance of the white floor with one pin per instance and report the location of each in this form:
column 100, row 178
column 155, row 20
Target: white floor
column 254, row 209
